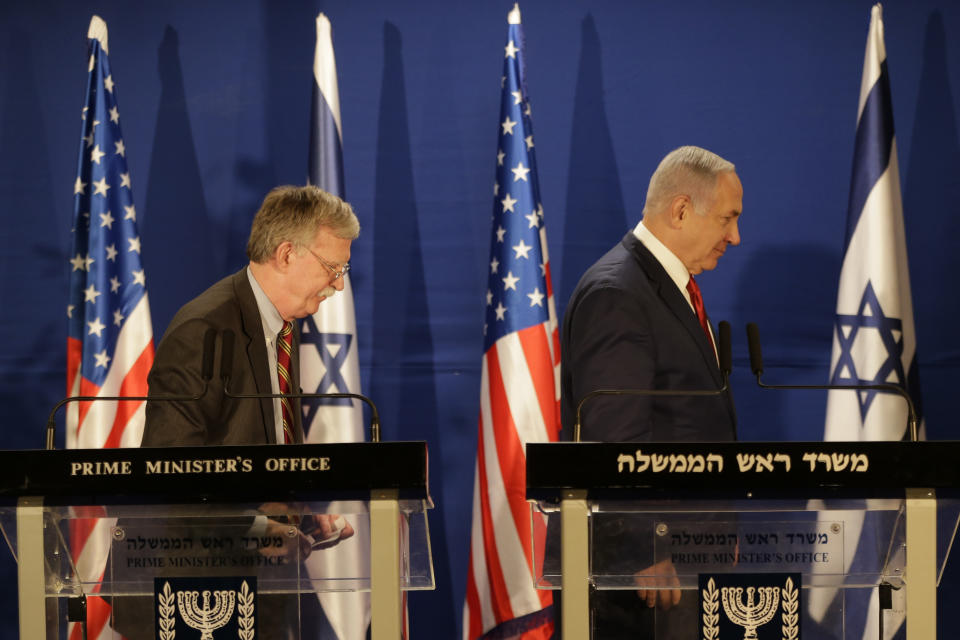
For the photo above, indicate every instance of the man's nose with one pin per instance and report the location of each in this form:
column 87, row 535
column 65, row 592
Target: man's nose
column 338, row 283
column 733, row 237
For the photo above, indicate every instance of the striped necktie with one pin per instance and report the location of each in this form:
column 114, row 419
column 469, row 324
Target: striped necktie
column 284, row 353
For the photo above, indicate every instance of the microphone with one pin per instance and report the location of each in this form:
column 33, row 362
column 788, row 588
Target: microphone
column 756, row 365
column 226, row 366
column 206, row 375
column 725, row 362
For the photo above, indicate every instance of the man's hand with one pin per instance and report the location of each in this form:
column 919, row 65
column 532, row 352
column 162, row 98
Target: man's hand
column 298, row 544
column 327, row 530
column 312, row 531
column 663, row 574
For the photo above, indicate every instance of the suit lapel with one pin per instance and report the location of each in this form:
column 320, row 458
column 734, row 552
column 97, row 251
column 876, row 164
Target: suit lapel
column 256, row 349
column 671, row 296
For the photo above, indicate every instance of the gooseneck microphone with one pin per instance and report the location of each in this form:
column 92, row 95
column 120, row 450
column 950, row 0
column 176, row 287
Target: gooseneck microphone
column 226, row 366
column 756, row 365
column 206, row 374
column 723, row 357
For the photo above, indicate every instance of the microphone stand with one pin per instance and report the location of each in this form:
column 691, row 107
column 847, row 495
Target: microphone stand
column 49, row 443
column 756, row 365
column 374, row 415
column 226, row 365
column 206, row 375
column 723, row 356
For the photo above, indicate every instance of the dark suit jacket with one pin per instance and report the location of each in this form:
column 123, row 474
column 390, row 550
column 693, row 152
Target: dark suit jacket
column 628, row 326
column 216, row 419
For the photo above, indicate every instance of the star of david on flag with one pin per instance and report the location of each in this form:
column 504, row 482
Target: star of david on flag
column 873, row 340
column 109, row 332
column 520, row 391
column 329, row 361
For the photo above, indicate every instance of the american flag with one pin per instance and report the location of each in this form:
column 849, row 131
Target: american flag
column 874, row 340
column 519, row 389
column 328, row 354
column 109, row 336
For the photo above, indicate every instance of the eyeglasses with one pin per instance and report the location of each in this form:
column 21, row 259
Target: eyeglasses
column 337, row 274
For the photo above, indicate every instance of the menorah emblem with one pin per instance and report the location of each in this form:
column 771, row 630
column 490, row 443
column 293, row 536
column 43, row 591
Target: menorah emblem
column 752, row 614
column 206, row 619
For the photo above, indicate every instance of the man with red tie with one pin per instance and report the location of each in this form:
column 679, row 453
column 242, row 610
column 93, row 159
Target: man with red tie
column 636, row 320
column 299, row 249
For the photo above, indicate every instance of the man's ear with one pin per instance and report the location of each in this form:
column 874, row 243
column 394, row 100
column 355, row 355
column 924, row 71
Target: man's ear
column 680, row 209
column 282, row 255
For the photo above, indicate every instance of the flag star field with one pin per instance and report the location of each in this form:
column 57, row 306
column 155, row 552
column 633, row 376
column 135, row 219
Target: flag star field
column 106, row 275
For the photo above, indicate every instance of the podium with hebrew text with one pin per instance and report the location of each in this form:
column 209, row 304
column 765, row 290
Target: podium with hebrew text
column 744, row 540
column 216, row 541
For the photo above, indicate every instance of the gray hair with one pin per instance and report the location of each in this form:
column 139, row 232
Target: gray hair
column 296, row 214
column 690, row 171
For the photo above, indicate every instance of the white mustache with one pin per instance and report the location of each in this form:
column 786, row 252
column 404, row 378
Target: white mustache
column 327, row 292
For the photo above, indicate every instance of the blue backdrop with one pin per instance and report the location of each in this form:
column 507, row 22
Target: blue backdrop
column 215, row 102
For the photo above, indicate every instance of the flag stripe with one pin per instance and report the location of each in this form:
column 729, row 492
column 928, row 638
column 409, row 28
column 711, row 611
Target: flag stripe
column 110, row 335
column 519, row 392
column 522, row 406
column 325, row 73
column 477, row 614
column 81, row 527
column 134, row 348
column 509, row 444
column 874, row 339
column 74, row 356
column 324, row 167
column 538, row 353
column 321, row 371
column 872, row 148
column 134, row 384
column 493, row 508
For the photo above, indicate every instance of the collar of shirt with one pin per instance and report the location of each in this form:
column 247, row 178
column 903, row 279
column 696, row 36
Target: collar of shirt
column 667, row 259
column 272, row 324
column 269, row 316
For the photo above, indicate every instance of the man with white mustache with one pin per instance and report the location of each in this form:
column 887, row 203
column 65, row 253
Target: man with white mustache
column 299, row 249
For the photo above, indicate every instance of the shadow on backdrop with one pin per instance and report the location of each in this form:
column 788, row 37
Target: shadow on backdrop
column 273, row 109
column 290, row 41
column 34, row 283
column 787, row 290
column 596, row 217
column 34, row 286
column 402, row 377
column 175, row 211
column 932, row 190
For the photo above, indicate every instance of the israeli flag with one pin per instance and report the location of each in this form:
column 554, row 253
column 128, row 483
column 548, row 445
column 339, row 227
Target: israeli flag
column 874, row 340
column 328, row 357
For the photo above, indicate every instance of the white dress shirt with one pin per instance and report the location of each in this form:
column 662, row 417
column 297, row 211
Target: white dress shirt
column 672, row 265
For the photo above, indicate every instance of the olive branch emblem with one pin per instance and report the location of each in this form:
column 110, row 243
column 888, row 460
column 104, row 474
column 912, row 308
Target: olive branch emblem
column 711, row 608
column 166, row 609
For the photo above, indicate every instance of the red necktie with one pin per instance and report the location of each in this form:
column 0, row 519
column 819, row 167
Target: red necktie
column 697, row 301
column 284, row 352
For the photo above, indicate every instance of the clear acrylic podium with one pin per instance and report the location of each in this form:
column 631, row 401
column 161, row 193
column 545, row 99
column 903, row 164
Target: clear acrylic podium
column 208, row 538
column 840, row 519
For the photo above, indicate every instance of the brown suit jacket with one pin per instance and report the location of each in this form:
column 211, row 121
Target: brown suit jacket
column 215, row 419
